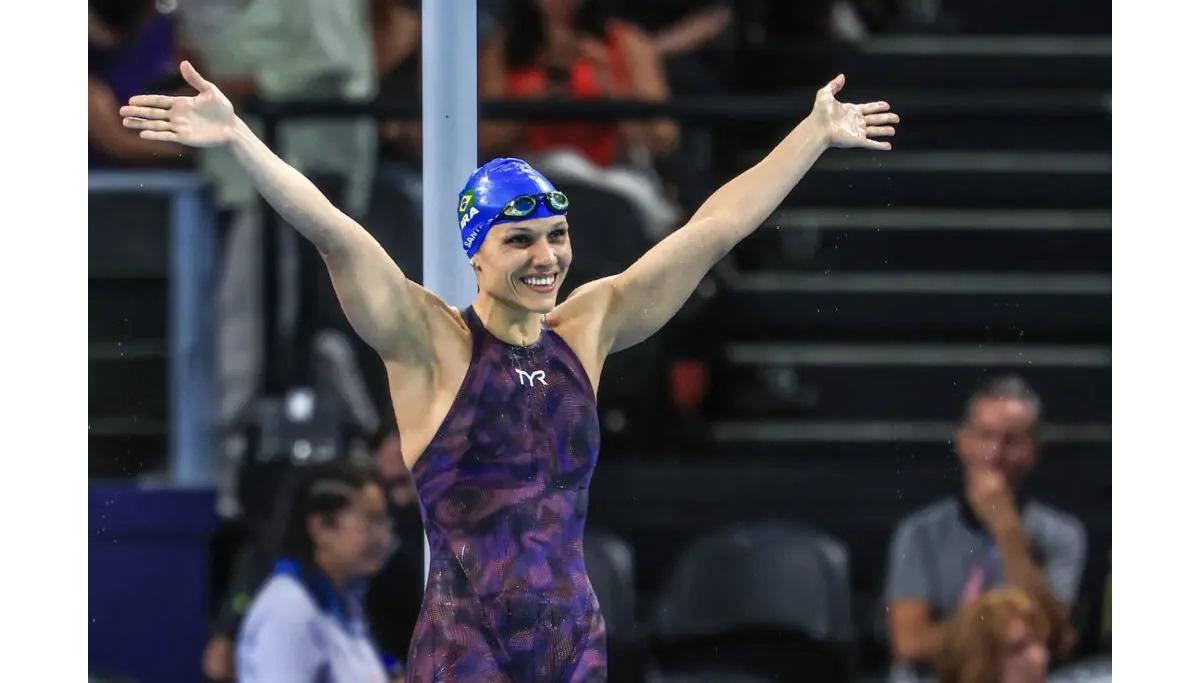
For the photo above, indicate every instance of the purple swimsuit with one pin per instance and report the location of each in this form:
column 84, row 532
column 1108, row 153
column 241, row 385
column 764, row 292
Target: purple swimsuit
column 503, row 490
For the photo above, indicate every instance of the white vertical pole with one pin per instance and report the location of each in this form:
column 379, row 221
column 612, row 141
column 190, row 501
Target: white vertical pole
column 449, row 113
column 449, row 141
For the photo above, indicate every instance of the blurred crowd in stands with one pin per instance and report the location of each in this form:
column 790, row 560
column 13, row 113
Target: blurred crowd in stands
column 362, row 50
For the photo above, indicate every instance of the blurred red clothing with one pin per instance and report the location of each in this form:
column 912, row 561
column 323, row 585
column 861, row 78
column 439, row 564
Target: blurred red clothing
column 585, row 80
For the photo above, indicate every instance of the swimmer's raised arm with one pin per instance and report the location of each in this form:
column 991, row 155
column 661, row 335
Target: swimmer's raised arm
column 652, row 290
column 378, row 300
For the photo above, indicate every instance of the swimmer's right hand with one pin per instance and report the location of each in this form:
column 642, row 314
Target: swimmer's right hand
column 205, row 120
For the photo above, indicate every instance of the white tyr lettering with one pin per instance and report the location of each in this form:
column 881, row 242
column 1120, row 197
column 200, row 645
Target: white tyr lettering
column 539, row 375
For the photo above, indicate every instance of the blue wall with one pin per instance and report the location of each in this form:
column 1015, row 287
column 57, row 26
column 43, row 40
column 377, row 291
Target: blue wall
column 147, row 581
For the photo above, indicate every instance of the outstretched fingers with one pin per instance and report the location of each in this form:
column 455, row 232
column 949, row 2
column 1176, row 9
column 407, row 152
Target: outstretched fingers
column 163, row 136
column 145, row 124
column 157, row 101
column 145, row 113
column 879, row 119
column 874, row 107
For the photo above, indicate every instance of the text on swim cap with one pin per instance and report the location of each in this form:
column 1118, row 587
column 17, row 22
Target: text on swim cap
column 466, row 217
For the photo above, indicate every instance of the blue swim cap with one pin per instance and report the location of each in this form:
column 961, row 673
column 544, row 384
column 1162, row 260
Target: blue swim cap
column 488, row 190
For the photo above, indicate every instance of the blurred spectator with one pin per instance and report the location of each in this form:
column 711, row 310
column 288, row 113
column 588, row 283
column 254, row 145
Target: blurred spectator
column 205, row 27
column 396, row 32
column 306, row 624
column 131, row 50
column 943, row 557
column 265, row 498
column 283, row 50
column 685, row 36
column 393, row 600
column 1000, row 638
column 397, row 35
column 568, row 49
column 690, row 27
column 844, row 20
column 571, row 50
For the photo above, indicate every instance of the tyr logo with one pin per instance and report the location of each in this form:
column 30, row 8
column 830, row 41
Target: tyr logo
column 539, row 375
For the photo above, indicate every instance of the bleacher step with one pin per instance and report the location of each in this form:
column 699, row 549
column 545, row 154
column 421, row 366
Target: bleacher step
column 935, row 61
column 930, row 239
column 129, row 386
column 125, row 447
column 127, row 309
column 882, row 382
column 955, row 179
column 947, row 305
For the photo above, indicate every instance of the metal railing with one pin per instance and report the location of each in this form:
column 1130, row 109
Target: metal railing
column 191, row 315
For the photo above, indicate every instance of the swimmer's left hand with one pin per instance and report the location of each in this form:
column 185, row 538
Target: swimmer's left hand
column 853, row 125
column 205, row 120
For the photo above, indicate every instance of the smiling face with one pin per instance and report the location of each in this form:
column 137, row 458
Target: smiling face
column 522, row 264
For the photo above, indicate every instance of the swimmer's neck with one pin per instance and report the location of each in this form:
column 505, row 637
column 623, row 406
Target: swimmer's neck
column 510, row 324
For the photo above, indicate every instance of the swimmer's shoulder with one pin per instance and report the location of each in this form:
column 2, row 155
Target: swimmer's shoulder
column 437, row 361
column 422, row 395
column 579, row 320
column 587, row 304
column 443, row 328
column 582, row 314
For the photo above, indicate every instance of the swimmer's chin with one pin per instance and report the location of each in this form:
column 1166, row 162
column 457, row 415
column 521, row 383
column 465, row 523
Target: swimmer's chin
column 540, row 304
